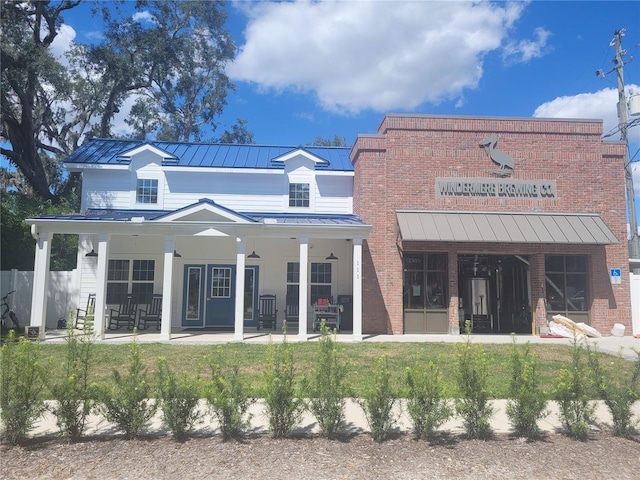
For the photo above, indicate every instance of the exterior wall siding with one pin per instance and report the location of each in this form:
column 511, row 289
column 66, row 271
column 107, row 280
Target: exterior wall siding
column 239, row 191
column 397, row 170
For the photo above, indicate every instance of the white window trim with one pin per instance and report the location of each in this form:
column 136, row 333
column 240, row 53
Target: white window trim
column 313, row 192
column 157, row 272
column 159, row 177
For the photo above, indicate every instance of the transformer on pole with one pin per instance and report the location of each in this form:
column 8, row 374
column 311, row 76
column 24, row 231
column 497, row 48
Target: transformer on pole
column 634, row 241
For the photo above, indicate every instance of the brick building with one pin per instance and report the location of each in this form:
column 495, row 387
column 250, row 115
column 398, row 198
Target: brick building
column 502, row 222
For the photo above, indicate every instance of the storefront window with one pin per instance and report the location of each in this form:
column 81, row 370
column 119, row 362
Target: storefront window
column 425, row 280
column 566, row 283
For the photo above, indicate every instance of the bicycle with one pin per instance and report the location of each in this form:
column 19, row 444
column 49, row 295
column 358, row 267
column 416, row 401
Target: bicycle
column 8, row 313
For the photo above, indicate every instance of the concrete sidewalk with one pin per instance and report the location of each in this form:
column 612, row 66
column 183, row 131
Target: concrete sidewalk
column 607, row 344
column 355, row 422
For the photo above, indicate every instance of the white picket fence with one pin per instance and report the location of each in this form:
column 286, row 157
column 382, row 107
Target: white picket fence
column 63, row 295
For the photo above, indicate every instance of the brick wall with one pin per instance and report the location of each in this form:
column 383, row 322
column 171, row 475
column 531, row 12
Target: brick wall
column 396, row 169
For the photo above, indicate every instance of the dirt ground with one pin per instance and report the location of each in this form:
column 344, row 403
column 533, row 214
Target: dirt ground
column 255, row 457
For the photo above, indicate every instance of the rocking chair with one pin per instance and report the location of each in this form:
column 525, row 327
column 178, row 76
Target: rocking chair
column 125, row 314
column 267, row 315
column 151, row 314
column 86, row 313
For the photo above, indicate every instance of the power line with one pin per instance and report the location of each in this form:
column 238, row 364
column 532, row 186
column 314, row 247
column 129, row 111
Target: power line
column 623, row 126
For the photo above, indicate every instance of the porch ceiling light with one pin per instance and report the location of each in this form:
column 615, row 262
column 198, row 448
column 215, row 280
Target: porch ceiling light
column 92, row 253
column 253, row 255
column 332, row 257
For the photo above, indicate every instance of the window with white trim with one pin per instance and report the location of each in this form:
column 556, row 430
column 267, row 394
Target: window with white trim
column 147, row 190
column 293, row 286
column 320, row 281
column 220, row 282
column 298, row 194
column 126, row 277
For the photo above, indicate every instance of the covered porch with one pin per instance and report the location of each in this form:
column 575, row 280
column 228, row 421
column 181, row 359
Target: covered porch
column 209, row 267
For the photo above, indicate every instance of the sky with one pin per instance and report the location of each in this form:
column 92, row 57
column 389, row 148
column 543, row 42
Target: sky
column 305, row 69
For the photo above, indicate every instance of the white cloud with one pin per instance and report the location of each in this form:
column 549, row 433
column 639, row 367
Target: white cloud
column 144, row 17
column 62, row 43
column 598, row 105
column 381, row 56
column 525, row 50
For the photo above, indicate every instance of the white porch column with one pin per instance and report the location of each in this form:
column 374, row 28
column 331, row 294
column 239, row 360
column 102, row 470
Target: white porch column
column 40, row 283
column 303, row 286
column 101, row 286
column 238, row 331
column 165, row 323
column 357, row 290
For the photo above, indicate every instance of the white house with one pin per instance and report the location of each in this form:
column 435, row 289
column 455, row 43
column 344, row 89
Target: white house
column 211, row 228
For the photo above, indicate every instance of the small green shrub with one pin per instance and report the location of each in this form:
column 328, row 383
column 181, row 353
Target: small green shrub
column 283, row 405
column 427, row 404
column 473, row 404
column 20, row 387
column 527, row 401
column 378, row 402
column 227, row 397
column 619, row 397
column 72, row 391
column 572, row 391
column 178, row 398
column 326, row 389
column 128, row 402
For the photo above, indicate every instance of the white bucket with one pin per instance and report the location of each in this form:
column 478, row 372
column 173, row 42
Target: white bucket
column 617, row 330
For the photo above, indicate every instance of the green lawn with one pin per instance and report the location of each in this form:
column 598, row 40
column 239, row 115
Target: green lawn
column 360, row 358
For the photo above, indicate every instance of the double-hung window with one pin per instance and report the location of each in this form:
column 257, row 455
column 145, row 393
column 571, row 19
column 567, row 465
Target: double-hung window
column 320, row 281
column 147, row 190
column 298, row 194
column 133, row 277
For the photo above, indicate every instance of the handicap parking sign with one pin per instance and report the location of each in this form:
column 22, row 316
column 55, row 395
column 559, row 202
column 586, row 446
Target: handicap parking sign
column 616, row 276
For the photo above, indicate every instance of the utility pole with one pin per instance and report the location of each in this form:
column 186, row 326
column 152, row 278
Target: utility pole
column 634, row 242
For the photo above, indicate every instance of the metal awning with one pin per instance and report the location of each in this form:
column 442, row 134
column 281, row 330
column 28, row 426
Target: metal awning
column 491, row 227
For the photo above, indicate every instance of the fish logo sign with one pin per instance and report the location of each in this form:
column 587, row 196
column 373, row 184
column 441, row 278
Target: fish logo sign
column 506, row 164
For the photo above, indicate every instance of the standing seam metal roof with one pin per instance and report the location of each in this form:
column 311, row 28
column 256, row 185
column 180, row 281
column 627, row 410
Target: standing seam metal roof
column 150, row 215
column 562, row 228
column 110, row 152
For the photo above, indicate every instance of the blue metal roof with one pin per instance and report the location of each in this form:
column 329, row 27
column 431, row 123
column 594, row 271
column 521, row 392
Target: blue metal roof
column 110, row 152
column 324, row 219
column 281, row 218
column 107, row 215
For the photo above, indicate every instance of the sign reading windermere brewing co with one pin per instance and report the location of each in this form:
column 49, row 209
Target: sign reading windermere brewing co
column 495, row 188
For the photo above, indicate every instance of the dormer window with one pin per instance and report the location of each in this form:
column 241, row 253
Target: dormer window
column 147, row 190
column 298, row 194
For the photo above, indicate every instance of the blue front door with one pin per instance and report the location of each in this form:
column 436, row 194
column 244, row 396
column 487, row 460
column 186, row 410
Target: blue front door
column 209, row 299
column 220, row 295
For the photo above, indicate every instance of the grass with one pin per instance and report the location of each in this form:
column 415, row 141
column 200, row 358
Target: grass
column 360, row 358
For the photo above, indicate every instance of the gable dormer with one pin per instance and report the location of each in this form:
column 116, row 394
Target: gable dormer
column 300, row 167
column 147, row 180
column 146, row 153
column 300, row 158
